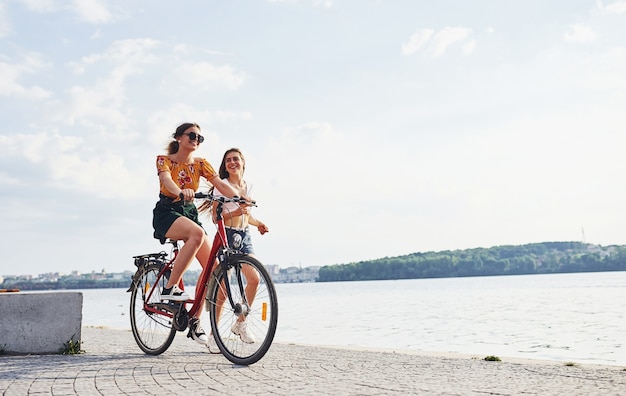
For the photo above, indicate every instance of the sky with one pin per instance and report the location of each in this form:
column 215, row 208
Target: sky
column 370, row 128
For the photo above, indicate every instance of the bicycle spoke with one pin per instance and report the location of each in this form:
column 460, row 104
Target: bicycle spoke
column 151, row 325
column 261, row 320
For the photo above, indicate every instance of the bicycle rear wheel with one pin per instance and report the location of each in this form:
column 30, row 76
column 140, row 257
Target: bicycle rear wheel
column 261, row 320
column 151, row 324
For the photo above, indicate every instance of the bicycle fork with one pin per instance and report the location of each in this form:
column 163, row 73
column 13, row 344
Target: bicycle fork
column 242, row 308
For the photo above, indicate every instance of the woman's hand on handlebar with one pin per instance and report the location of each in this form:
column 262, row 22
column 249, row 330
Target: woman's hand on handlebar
column 244, row 200
column 248, row 201
column 187, row 194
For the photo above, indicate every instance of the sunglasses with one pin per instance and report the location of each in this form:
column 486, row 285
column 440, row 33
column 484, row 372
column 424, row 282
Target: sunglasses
column 193, row 136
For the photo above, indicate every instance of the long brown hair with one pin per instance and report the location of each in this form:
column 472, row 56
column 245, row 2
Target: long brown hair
column 172, row 147
column 223, row 172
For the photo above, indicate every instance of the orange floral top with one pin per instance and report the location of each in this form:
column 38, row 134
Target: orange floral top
column 184, row 175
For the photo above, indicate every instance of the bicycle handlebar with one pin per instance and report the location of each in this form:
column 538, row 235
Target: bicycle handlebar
column 221, row 198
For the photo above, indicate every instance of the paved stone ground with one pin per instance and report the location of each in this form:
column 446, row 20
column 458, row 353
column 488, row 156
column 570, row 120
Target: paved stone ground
column 114, row 365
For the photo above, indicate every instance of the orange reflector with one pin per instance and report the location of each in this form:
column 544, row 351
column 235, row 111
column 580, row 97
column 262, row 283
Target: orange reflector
column 264, row 312
column 146, row 288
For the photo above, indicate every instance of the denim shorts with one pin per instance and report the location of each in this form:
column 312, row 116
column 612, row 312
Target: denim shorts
column 239, row 239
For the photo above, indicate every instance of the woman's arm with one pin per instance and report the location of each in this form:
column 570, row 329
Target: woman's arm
column 223, row 187
column 227, row 215
column 258, row 224
column 169, row 183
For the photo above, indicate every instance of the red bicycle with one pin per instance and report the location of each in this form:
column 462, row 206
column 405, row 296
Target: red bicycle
column 236, row 285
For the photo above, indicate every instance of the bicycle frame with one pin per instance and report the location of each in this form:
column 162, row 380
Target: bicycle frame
column 242, row 333
column 218, row 251
column 219, row 241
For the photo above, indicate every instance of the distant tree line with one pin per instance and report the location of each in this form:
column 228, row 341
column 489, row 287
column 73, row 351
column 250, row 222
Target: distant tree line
column 66, row 284
column 535, row 258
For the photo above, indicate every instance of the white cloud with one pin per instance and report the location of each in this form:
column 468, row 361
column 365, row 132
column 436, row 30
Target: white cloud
column 447, row 37
column 417, row 41
column 616, row 7
column 312, row 130
column 469, row 46
column 103, row 103
column 178, row 113
column 305, row 164
column 5, row 24
column 205, row 74
column 323, row 3
column 74, row 163
column 186, row 49
column 38, row 147
column 103, row 176
column 90, row 11
column 317, row 3
column 593, row 73
column 40, row 5
column 308, row 144
column 100, row 103
column 97, row 34
column 7, row 180
column 130, row 54
column 436, row 44
column 11, row 73
column 93, row 11
column 579, row 33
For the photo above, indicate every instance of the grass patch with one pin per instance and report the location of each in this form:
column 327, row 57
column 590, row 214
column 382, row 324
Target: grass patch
column 492, row 358
column 570, row 364
column 72, row 347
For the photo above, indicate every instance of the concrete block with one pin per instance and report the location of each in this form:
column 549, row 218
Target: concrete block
column 39, row 323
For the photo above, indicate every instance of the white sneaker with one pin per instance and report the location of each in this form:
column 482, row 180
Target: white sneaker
column 196, row 332
column 212, row 345
column 174, row 294
column 241, row 329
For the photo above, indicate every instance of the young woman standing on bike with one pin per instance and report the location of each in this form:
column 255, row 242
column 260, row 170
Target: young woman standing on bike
column 236, row 221
column 177, row 219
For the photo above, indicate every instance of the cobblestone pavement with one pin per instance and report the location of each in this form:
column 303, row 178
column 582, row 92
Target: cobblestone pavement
column 113, row 365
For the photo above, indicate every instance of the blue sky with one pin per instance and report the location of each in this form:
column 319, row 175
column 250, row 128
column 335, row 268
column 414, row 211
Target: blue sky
column 370, row 128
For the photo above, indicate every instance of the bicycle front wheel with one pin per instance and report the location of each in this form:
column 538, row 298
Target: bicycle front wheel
column 243, row 338
column 151, row 326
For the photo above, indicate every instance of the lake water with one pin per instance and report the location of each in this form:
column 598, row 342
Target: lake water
column 577, row 318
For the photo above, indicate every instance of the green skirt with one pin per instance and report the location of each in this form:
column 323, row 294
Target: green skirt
column 166, row 212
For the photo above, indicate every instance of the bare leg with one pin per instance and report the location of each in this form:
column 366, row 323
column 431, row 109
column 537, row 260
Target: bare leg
column 203, row 257
column 193, row 237
column 219, row 303
column 252, row 278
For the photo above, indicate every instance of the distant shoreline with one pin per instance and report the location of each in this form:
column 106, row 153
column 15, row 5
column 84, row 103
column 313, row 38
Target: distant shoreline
column 53, row 286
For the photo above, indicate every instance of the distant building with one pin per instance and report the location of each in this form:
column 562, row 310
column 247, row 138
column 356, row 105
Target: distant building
column 273, row 270
column 297, row 275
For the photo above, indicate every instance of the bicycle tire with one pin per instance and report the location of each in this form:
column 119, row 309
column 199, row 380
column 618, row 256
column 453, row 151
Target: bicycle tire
column 153, row 331
column 261, row 321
